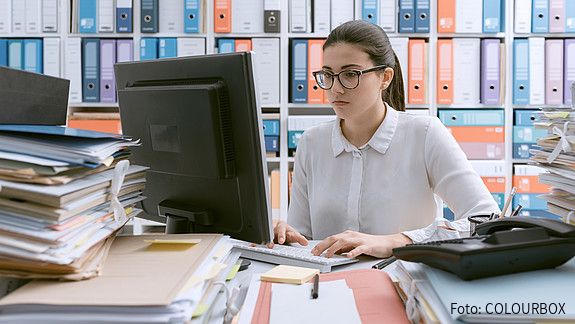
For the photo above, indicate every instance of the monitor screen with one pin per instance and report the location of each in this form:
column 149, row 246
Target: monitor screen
column 201, row 132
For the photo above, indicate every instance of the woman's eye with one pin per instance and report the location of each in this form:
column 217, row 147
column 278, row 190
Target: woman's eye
column 349, row 74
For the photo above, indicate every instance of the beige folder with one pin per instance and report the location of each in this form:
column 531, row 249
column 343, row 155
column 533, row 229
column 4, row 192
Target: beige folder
column 136, row 273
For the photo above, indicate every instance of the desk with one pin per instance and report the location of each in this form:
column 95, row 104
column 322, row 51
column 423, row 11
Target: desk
column 243, row 278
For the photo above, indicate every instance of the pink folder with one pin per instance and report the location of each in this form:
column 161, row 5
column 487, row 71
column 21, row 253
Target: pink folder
column 554, row 71
column 375, row 297
column 557, row 16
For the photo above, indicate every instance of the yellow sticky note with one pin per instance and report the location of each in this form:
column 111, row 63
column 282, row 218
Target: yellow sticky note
column 172, row 241
column 171, row 245
column 234, row 271
column 289, row 274
column 200, row 310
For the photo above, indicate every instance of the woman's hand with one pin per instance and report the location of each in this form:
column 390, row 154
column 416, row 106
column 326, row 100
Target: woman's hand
column 355, row 243
column 284, row 233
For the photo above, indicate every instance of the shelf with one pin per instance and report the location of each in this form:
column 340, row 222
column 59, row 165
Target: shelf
column 470, row 106
column 311, row 110
column 38, row 35
column 171, row 35
column 101, row 35
column 93, row 105
column 306, row 35
column 408, row 35
column 471, row 35
column 540, row 106
column 291, row 159
column 521, row 161
column 273, row 159
column 247, row 35
column 546, row 35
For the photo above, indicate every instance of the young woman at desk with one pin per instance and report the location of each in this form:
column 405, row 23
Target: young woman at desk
column 366, row 183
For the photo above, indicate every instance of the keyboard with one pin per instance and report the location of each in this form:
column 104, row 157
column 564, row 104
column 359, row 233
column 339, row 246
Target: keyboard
column 290, row 255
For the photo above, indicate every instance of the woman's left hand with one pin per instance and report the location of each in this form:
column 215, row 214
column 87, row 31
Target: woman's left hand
column 354, row 243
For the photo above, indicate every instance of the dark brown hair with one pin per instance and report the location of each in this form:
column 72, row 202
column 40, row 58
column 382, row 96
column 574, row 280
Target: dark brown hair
column 373, row 40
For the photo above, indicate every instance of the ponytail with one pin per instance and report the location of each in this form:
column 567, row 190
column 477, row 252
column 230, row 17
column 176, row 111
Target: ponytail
column 394, row 94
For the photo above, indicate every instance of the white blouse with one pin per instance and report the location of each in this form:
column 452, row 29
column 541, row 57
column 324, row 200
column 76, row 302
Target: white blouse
column 388, row 185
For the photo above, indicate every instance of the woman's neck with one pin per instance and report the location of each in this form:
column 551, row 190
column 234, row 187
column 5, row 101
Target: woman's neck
column 360, row 130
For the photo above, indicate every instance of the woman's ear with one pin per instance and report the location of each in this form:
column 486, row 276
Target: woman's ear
column 388, row 74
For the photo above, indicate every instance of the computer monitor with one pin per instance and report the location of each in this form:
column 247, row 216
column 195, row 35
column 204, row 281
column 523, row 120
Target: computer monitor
column 201, row 130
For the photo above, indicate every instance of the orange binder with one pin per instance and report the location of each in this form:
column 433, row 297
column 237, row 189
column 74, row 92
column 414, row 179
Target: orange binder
column 290, row 181
column 478, row 134
column 275, row 189
column 494, row 184
column 529, row 184
column 416, row 72
column 243, row 45
column 445, row 71
column 99, row 125
column 375, row 296
column 223, row 16
column 315, row 62
column 446, row 16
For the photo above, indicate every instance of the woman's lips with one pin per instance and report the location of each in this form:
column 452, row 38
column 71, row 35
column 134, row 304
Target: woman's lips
column 340, row 103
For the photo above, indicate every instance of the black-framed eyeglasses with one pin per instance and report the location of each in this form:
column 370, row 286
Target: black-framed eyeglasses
column 349, row 79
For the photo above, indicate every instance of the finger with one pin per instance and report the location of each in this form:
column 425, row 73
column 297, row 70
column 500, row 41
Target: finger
column 270, row 245
column 323, row 245
column 281, row 232
column 362, row 249
column 295, row 237
column 338, row 245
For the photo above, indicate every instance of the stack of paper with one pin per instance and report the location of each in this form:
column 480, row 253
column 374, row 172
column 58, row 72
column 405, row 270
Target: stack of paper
column 556, row 154
column 436, row 296
column 144, row 280
column 63, row 195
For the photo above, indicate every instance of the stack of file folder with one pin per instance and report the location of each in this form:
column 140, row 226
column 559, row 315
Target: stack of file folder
column 64, row 193
column 146, row 279
column 556, row 154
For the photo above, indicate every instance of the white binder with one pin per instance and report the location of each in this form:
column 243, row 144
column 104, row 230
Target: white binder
column 341, row 11
column 300, row 16
column 466, row 62
column 523, row 16
column 537, row 70
column 321, row 16
column 18, row 16
column 267, row 65
column 401, row 49
column 33, row 16
column 73, row 67
column 468, row 16
column 191, row 46
column 6, row 16
column 248, row 16
column 106, row 16
column 50, row 16
column 171, row 16
column 52, row 56
column 388, row 15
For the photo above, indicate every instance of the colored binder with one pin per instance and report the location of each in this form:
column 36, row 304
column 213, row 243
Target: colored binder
column 272, row 16
column 124, row 50
column 416, row 71
column 569, row 71
column 149, row 12
column 167, row 48
column 243, row 45
column 33, row 55
column 272, row 144
column 525, row 117
column 271, row 127
column 490, row 74
column 299, row 71
column 406, row 13
column 446, row 16
column 107, row 60
column 557, row 16
column 148, row 48
column 527, row 134
column 530, row 201
column 521, row 150
column 124, row 14
column 91, row 70
column 226, row 45
column 422, row 16
column 87, row 16
column 540, row 16
column 370, row 11
column 520, row 72
column 222, row 16
column 192, row 10
column 472, row 117
column 3, row 52
column 315, row 63
column 570, row 16
column 492, row 15
column 483, row 151
column 554, row 71
column 444, row 71
column 475, row 134
column 16, row 54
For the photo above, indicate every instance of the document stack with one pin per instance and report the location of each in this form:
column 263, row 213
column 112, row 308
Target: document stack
column 64, row 193
column 146, row 279
column 556, row 154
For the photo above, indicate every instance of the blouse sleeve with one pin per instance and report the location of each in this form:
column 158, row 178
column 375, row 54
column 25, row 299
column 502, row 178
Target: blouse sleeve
column 299, row 213
column 453, row 179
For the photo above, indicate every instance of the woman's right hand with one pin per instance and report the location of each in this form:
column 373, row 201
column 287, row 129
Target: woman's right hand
column 284, row 233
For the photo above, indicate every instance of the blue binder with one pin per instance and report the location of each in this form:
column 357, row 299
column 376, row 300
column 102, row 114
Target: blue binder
column 148, row 48
column 293, row 138
column 168, row 47
column 226, row 45
column 33, row 57
column 3, row 52
column 149, row 19
column 492, row 14
column 422, row 16
column 521, row 150
column 271, row 127
column 499, row 199
column 91, row 70
column 87, row 16
column 272, row 143
column 525, row 117
column 527, row 134
column 124, row 16
column 539, row 213
column 540, row 16
column 570, row 16
column 299, row 71
column 406, row 13
column 521, row 72
column 530, row 201
column 472, row 117
column 370, row 11
column 192, row 17
column 16, row 54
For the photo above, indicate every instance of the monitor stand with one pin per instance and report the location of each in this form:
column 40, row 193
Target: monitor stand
column 182, row 218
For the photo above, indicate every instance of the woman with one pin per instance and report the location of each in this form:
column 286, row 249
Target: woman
column 366, row 182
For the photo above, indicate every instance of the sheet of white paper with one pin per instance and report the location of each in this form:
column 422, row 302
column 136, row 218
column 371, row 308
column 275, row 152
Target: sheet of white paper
column 31, row 159
column 293, row 304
